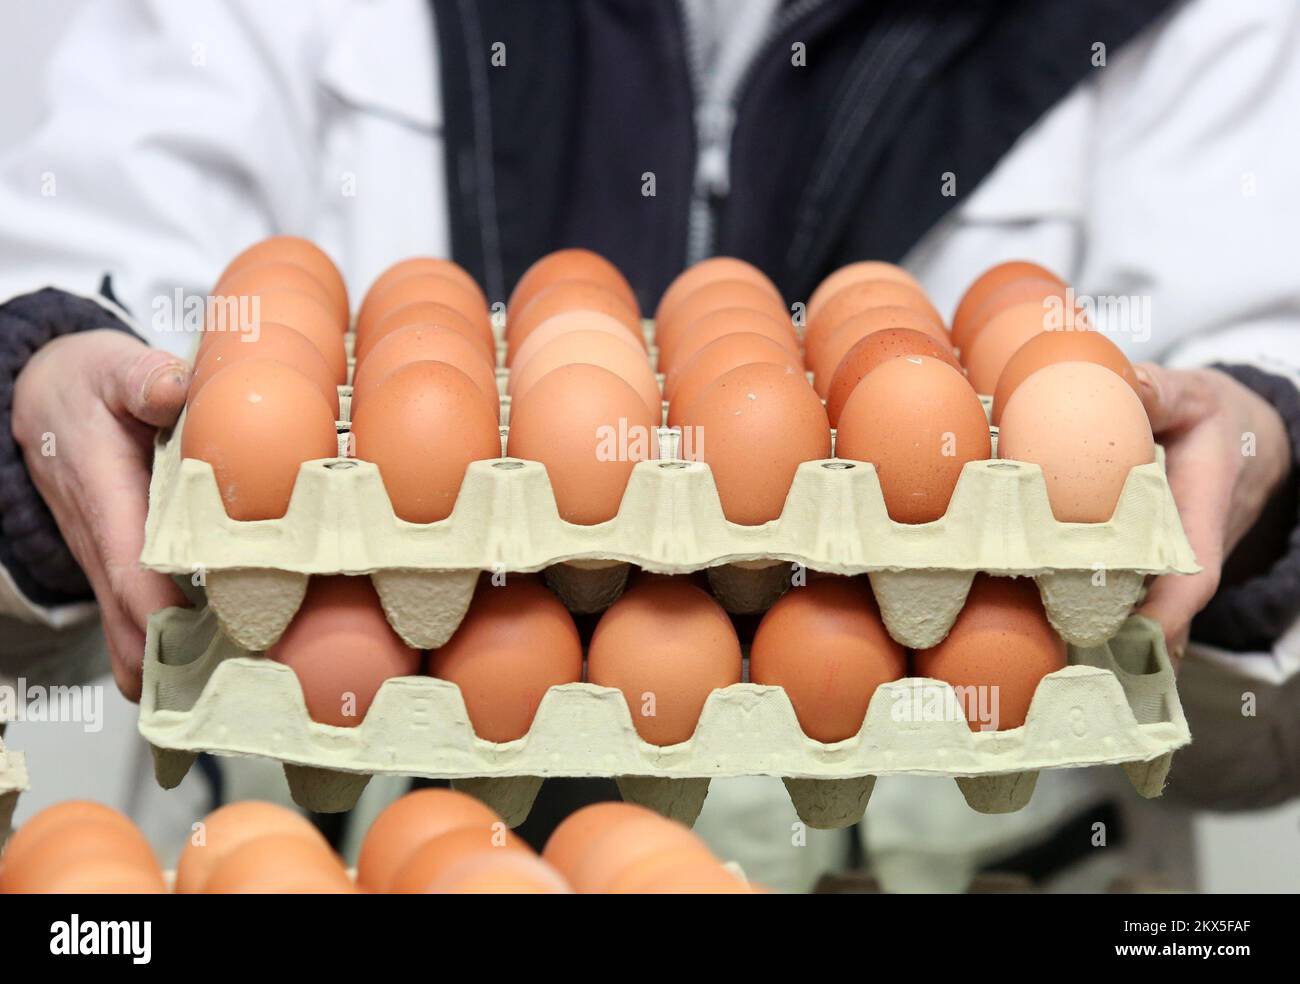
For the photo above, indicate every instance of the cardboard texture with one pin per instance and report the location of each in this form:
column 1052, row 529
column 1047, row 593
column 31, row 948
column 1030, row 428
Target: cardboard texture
column 1115, row 704
column 13, row 782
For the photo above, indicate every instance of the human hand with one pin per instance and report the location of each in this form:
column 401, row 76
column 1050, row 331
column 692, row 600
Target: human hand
column 101, row 395
column 1226, row 453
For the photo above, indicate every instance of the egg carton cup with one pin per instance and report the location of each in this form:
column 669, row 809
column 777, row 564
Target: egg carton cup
column 13, row 782
column 1114, row 704
column 340, row 521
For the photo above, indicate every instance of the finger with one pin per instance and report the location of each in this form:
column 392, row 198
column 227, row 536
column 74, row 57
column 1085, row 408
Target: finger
column 1174, row 399
column 146, row 383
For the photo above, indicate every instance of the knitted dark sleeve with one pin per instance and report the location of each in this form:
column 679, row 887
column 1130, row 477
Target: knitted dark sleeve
column 31, row 547
column 1251, row 615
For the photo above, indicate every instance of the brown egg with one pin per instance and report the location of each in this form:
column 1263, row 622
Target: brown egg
column 1037, row 289
column 516, row 642
column 754, row 426
column 428, row 289
column 706, row 272
column 933, row 424
column 422, row 266
column 280, row 864
column 984, row 286
column 1086, row 428
column 501, row 873
column 578, row 320
column 874, row 349
column 256, row 422
column 563, row 297
column 433, row 859
column 1051, row 347
column 729, row 321
column 425, row 343
column 342, row 649
column 303, row 313
column 426, row 314
column 852, row 301
column 422, row 426
column 69, row 845
column 594, row 348
column 619, row 846
column 692, row 376
column 643, row 874
column 569, row 264
column 52, row 818
column 108, row 875
column 842, row 338
column 406, row 824
column 999, row 648
column 258, row 279
column 568, row 843
column 825, row 644
column 301, row 253
column 715, row 296
column 589, row 428
column 691, row 876
column 667, row 645
column 857, row 273
column 277, row 342
column 994, row 346
column 228, row 828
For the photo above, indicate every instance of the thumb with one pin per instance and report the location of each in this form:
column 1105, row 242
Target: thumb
column 1173, row 400
column 146, row 383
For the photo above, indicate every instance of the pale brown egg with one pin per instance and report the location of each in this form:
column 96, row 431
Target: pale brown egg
column 579, row 320
column 667, row 645
column 342, row 649
column 825, row 644
column 304, row 313
column 567, row 296
column 429, row 289
column 302, row 253
column 616, row 847
column 985, row 285
column 258, row 278
column 851, row 331
column 994, row 346
column 713, row 296
column 706, row 272
column 409, row 822
column 852, row 301
column 230, row 827
column 427, row 314
column 729, row 321
column 569, row 264
column 874, row 349
column 417, row 266
column 68, row 846
column 501, row 873
column 856, row 273
column 433, row 859
column 1051, row 347
column 754, row 426
column 569, row 842
column 999, row 648
column 934, row 424
column 720, row 356
column 1086, row 428
column 277, row 342
column 589, row 428
column 280, row 864
column 256, row 422
column 422, row 426
column 594, row 348
column 50, row 819
column 425, row 343
column 516, row 642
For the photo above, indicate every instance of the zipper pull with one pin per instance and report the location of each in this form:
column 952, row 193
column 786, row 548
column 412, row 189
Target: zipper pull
column 713, row 125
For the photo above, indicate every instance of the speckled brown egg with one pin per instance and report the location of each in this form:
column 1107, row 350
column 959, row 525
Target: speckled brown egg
column 875, row 349
column 853, row 300
column 1086, row 428
column 842, row 338
column 918, row 421
column 720, row 356
column 998, row 650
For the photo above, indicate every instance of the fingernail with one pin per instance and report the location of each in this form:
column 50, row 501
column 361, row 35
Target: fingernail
column 169, row 373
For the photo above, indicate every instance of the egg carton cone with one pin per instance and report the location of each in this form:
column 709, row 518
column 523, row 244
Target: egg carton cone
column 340, row 521
column 13, row 782
column 1114, row 704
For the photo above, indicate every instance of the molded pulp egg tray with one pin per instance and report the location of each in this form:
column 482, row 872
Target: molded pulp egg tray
column 339, row 521
column 1114, row 704
column 13, row 781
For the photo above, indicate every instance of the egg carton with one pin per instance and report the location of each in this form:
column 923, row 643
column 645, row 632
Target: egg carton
column 13, row 782
column 1113, row 704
